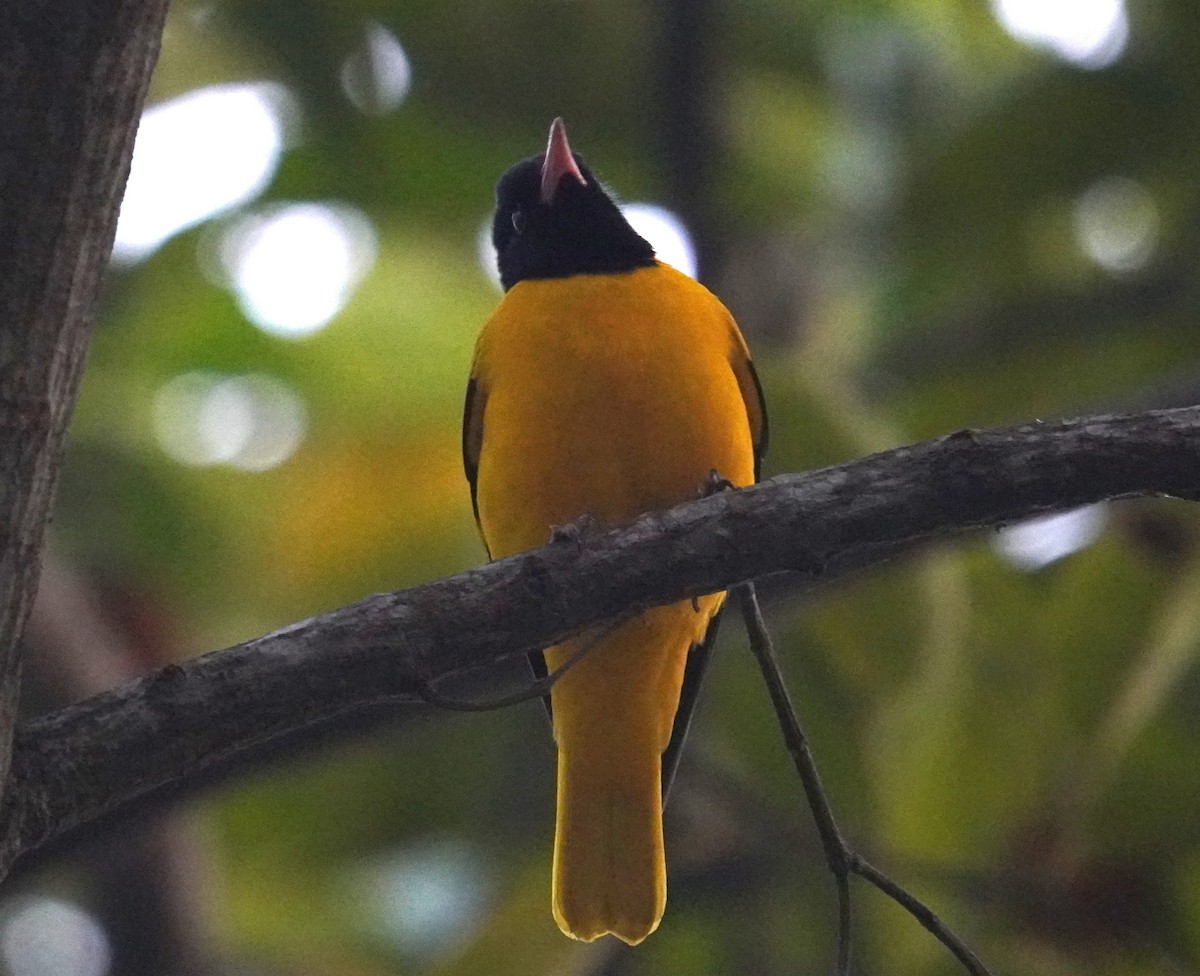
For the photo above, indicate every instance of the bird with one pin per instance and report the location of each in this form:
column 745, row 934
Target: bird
column 605, row 385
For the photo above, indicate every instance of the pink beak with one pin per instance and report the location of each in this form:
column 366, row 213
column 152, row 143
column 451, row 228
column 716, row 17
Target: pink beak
column 559, row 162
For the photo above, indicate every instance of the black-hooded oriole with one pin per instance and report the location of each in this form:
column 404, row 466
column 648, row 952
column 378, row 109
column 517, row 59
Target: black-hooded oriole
column 608, row 384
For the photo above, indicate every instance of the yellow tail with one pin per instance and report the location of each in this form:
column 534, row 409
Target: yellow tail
column 613, row 714
column 610, row 873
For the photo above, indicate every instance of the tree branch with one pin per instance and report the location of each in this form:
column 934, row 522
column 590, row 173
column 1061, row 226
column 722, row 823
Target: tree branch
column 170, row 730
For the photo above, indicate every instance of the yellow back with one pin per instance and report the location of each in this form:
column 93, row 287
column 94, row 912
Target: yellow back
column 606, row 394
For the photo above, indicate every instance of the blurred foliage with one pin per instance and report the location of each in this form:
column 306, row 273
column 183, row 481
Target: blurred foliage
column 893, row 194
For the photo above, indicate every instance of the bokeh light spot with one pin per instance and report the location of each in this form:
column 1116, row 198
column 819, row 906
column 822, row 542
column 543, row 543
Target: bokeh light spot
column 667, row 234
column 1117, row 224
column 199, row 155
column 47, row 937
column 1038, row 542
column 377, row 75
column 485, row 253
column 252, row 422
column 294, row 267
column 1089, row 33
column 429, row 897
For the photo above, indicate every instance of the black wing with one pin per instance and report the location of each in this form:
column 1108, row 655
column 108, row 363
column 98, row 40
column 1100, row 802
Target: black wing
column 472, row 444
column 760, row 427
column 697, row 662
column 693, row 678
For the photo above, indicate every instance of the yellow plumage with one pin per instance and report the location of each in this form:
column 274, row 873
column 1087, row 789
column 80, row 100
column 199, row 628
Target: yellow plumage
column 610, row 395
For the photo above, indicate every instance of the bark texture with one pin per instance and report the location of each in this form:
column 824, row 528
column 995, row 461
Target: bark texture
column 73, row 77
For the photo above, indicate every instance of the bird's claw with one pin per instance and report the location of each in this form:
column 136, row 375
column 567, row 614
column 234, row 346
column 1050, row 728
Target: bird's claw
column 576, row 530
column 714, row 483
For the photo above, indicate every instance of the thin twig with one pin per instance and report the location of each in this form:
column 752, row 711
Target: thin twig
column 844, row 917
column 842, row 859
column 836, row 851
column 921, row 912
column 536, row 689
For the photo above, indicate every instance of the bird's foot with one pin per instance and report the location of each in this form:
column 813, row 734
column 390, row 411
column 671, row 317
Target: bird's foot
column 576, row 531
column 714, row 483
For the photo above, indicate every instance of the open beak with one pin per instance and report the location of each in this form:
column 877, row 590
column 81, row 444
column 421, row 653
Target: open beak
column 559, row 162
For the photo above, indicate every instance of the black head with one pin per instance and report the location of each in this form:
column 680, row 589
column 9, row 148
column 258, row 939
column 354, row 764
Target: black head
column 553, row 219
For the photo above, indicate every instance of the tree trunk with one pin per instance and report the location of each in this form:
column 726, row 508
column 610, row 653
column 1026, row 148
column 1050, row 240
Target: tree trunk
column 73, row 76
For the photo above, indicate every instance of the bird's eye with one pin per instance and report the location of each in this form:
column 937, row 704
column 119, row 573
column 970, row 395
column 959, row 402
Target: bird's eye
column 518, row 220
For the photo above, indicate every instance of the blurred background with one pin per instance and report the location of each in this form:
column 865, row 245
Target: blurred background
column 925, row 214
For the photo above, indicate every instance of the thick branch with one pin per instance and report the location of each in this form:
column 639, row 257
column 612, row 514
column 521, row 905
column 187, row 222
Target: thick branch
column 166, row 731
column 72, row 79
